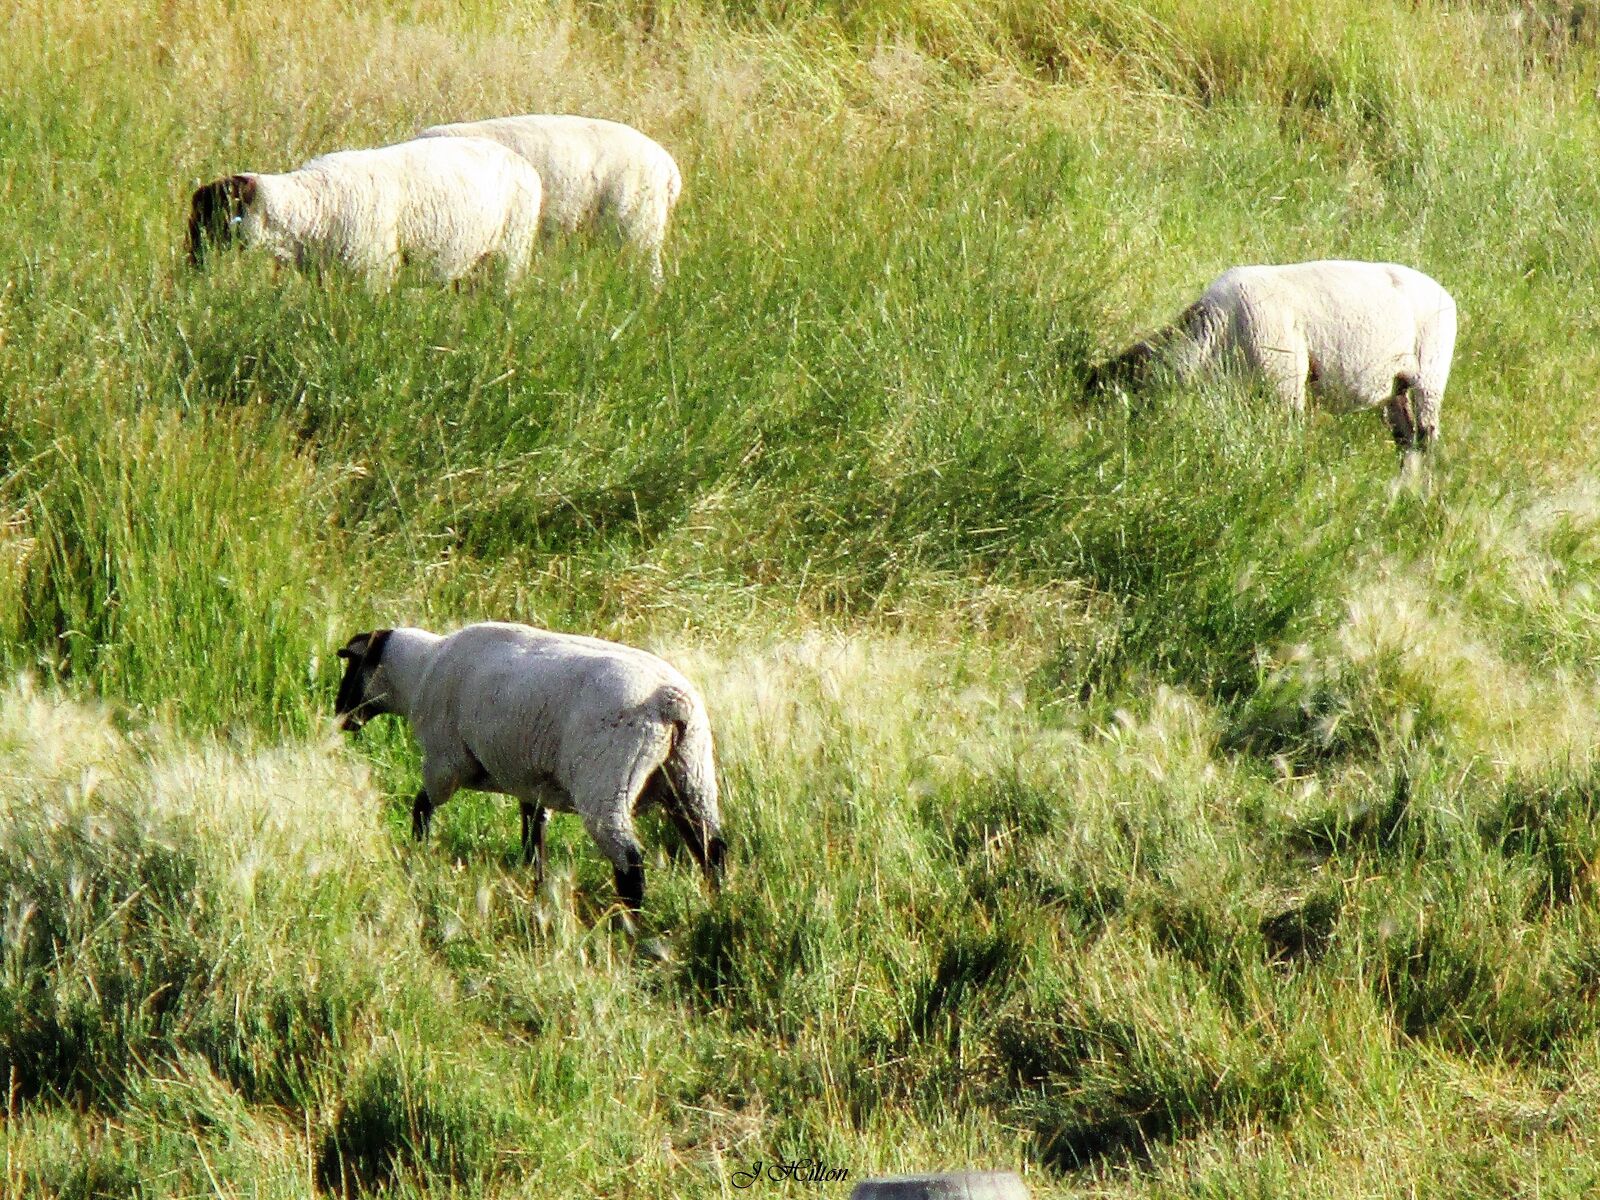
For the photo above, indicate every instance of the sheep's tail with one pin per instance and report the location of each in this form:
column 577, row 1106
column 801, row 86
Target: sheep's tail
column 674, row 186
column 690, row 763
column 1435, row 347
column 690, row 777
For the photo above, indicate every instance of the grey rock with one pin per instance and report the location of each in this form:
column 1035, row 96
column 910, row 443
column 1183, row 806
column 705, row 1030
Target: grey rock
column 962, row 1185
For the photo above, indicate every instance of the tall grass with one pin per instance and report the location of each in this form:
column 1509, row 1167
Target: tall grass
column 1152, row 797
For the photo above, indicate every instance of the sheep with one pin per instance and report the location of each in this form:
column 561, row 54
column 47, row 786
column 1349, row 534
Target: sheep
column 592, row 170
column 448, row 204
column 562, row 722
column 1356, row 335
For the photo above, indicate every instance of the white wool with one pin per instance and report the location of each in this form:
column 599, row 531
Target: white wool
column 444, row 204
column 593, row 171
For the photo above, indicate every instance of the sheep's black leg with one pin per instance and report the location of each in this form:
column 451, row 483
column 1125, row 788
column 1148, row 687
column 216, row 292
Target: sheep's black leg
column 534, row 817
column 702, row 838
column 609, row 821
column 704, row 842
column 630, row 879
column 421, row 815
column 693, row 834
column 1397, row 414
column 716, row 866
column 709, row 850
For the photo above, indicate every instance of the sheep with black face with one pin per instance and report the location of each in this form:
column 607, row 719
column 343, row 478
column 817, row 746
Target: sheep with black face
column 573, row 724
column 446, row 204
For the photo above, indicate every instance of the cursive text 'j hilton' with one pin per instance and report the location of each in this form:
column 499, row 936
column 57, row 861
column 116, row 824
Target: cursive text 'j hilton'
column 794, row 1170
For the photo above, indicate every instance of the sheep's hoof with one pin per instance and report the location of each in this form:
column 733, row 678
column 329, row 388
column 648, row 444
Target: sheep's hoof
column 963, row 1185
column 654, row 949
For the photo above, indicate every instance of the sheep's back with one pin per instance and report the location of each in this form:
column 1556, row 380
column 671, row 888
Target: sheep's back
column 524, row 699
column 1333, row 289
column 587, row 164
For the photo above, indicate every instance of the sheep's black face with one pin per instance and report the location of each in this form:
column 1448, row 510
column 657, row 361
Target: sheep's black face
column 214, row 211
column 361, row 654
column 1130, row 370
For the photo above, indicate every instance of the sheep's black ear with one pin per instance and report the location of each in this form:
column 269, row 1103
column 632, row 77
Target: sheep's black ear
column 365, row 648
column 242, row 188
column 375, row 644
column 355, row 647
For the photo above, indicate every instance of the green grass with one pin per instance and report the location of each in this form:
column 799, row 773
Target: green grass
column 1152, row 797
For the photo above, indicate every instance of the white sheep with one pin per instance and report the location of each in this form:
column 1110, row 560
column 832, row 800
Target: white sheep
column 593, row 171
column 1355, row 335
column 560, row 722
column 445, row 204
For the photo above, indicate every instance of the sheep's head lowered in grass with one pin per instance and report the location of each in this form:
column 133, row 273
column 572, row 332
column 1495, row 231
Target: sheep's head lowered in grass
column 215, row 211
column 362, row 692
column 1131, row 370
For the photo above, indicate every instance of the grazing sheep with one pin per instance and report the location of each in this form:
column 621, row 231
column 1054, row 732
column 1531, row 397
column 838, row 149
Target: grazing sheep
column 593, row 170
column 1355, row 335
column 447, row 204
column 570, row 723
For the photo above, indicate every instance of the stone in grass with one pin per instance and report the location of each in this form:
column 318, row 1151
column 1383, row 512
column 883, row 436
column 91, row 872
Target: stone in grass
column 963, row 1185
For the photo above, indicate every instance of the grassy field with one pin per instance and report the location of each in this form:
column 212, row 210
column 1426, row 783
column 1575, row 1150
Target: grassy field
column 1154, row 799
